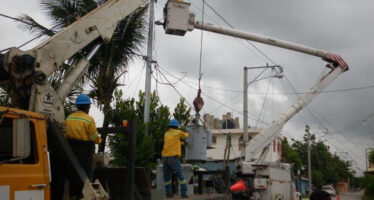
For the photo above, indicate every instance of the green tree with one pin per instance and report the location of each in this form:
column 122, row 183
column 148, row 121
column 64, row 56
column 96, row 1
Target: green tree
column 326, row 167
column 368, row 184
column 371, row 156
column 182, row 113
column 149, row 145
column 289, row 155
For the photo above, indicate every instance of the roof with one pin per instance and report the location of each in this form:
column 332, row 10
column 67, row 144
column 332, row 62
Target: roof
column 251, row 131
column 13, row 111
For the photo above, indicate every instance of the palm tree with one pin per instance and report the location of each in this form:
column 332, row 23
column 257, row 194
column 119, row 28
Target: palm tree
column 111, row 61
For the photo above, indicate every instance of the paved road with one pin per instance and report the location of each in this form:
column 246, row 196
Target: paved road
column 351, row 196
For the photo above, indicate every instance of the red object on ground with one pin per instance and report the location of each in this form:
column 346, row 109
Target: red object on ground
column 238, row 186
column 337, row 197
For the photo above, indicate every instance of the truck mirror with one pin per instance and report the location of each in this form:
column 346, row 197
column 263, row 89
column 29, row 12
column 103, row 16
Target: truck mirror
column 21, row 138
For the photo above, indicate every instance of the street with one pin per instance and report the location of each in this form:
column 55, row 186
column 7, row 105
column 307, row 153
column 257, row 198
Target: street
column 348, row 196
column 351, row 196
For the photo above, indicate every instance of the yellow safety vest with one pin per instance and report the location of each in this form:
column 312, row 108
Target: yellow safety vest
column 172, row 143
column 81, row 126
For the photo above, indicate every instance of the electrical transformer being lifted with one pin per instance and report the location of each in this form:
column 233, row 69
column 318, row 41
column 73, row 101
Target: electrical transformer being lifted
column 264, row 181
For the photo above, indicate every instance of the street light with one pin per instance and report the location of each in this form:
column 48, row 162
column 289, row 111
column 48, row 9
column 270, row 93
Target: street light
column 278, row 74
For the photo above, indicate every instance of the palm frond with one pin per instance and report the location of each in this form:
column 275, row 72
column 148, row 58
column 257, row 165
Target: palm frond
column 65, row 12
column 30, row 25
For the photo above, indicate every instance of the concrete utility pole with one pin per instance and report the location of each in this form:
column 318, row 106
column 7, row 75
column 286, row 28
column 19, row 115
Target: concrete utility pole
column 245, row 95
column 147, row 97
column 309, row 162
column 245, row 106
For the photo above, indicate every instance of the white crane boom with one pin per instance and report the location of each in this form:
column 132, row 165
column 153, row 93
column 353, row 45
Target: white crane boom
column 44, row 59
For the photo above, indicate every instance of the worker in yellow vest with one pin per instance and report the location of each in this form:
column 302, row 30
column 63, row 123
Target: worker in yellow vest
column 82, row 136
column 170, row 158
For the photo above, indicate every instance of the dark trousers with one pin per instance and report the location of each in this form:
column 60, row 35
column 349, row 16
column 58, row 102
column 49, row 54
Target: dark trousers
column 84, row 151
column 171, row 164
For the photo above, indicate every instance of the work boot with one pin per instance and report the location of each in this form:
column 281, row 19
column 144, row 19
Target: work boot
column 168, row 196
column 184, row 196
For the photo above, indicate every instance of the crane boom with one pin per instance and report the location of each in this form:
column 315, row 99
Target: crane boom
column 100, row 22
column 178, row 21
column 264, row 139
column 37, row 64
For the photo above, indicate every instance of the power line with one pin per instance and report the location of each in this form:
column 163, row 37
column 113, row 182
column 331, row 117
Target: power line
column 213, row 99
column 292, row 93
column 319, row 122
column 316, row 119
column 250, row 43
column 237, row 39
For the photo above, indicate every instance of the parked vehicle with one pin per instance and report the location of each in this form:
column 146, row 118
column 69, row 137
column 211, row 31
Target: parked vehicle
column 330, row 189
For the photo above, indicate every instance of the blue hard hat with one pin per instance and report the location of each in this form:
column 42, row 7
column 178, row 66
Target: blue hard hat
column 83, row 99
column 174, row 122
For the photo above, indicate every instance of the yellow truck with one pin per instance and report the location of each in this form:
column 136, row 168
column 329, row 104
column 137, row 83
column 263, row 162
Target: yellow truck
column 24, row 158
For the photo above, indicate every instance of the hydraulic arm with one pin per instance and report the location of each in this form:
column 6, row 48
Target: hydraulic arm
column 178, row 20
column 29, row 70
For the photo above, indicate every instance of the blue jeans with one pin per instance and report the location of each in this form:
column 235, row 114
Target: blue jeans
column 172, row 164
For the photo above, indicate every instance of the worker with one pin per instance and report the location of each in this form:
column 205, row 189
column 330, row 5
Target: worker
column 170, row 158
column 82, row 136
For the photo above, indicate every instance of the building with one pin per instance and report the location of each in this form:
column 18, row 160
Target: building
column 369, row 165
column 219, row 132
column 302, row 185
column 342, row 187
column 210, row 122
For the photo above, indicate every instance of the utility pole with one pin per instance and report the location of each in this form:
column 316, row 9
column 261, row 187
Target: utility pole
column 245, row 96
column 309, row 162
column 245, row 106
column 147, row 94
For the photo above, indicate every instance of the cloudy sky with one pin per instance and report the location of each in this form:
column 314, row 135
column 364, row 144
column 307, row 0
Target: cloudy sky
column 341, row 117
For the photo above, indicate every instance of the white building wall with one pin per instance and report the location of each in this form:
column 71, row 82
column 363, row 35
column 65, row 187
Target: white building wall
column 218, row 150
column 217, row 153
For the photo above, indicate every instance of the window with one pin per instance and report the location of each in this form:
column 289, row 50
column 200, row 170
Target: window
column 228, row 124
column 6, row 143
column 214, row 139
column 240, row 142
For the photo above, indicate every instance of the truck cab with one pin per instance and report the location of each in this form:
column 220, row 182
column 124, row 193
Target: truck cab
column 24, row 156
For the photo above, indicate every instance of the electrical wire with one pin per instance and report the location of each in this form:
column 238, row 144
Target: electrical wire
column 263, row 104
column 213, row 99
column 317, row 120
column 250, row 43
column 291, row 93
column 237, row 39
column 139, row 78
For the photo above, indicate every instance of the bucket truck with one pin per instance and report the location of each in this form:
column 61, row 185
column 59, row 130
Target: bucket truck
column 25, row 136
column 265, row 181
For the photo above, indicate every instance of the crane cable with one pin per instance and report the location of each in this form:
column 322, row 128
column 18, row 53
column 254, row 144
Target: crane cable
column 198, row 102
